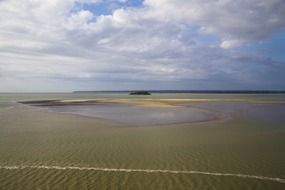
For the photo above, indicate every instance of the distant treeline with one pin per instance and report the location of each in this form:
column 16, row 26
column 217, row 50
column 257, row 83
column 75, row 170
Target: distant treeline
column 197, row 91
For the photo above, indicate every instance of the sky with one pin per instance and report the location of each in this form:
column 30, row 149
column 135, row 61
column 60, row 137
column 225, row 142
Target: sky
column 68, row 45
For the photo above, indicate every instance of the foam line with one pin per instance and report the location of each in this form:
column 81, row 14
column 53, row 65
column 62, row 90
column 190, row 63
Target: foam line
column 280, row 180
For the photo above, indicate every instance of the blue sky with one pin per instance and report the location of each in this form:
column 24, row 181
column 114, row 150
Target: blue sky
column 141, row 44
column 107, row 7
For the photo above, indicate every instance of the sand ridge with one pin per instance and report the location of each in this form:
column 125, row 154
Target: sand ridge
column 145, row 102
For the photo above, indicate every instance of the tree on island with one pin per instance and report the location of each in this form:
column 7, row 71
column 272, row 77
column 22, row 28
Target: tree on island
column 140, row 93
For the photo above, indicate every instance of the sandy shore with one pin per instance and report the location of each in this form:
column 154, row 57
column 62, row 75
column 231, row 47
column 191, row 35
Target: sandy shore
column 144, row 102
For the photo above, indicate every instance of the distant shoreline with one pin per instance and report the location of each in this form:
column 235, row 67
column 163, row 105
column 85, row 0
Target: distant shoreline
column 196, row 91
column 156, row 92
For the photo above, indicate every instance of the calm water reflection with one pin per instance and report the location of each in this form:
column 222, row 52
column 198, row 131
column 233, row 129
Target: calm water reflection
column 138, row 114
column 193, row 112
column 267, row 112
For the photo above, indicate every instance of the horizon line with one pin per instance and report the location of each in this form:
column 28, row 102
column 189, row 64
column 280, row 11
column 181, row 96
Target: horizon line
column 153, row 91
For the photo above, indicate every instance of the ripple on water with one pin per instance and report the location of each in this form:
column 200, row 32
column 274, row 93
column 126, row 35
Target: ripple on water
column 32, row 177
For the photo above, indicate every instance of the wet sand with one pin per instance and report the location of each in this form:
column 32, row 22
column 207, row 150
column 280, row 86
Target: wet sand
column 143, row 112
column 145, row 102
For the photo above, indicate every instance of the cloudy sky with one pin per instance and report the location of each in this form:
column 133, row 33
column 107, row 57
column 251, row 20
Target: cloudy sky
column 66, row 45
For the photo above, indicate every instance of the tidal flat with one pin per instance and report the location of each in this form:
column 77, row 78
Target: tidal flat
column 166, row 141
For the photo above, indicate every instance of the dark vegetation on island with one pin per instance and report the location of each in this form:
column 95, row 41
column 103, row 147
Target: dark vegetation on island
column 140, row 93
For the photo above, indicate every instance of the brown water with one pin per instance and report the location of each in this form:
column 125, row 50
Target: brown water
column 40, row 149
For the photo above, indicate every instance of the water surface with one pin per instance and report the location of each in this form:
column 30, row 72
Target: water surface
column 248, row 143
column 267, row 112
column 138, row 115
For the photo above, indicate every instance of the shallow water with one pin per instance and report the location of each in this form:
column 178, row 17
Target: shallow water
column 138, row 115
column 267, row 112
column 244, row 145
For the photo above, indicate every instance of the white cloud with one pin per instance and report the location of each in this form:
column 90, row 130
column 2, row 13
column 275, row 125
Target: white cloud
column 231, row 20
column 160, row 41
column 231, row 43
column 79, row 20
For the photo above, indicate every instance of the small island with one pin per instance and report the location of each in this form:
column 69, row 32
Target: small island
column 140, row 93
